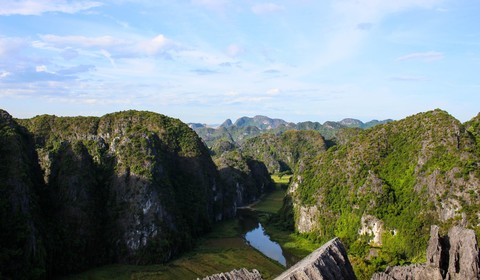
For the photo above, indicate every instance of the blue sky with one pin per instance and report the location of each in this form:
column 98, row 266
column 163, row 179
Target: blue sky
column 208, row 60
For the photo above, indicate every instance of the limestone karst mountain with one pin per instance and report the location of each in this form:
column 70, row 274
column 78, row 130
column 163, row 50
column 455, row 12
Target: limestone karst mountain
column 382, row 188
column 131, row 187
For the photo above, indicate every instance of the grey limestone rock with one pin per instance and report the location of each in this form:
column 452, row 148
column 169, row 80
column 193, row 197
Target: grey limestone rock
column 240, row 274
column 327, row 262
column 451, row 257
column 463, row 254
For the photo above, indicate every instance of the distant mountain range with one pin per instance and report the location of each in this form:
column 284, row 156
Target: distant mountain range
column 246, row 127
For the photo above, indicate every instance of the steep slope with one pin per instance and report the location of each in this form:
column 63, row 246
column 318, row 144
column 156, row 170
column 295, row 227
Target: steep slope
column 134, row 187
column 22, row 252
column 389, row 184
column 248, row 177
column 283, row 152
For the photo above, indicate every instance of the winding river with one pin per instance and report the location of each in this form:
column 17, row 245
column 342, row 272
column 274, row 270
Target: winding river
column 255, row 235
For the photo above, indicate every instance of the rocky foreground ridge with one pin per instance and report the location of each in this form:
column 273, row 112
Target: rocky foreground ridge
column 454, row 256
column 451, row 257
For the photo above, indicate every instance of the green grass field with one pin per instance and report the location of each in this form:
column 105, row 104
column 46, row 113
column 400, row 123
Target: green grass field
column 220, row 251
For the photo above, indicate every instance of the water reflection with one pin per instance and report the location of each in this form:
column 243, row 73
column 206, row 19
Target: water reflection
column 255, row 235
column 258, row 239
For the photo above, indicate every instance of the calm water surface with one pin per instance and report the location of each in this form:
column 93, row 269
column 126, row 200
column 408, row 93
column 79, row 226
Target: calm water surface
column 255, row 235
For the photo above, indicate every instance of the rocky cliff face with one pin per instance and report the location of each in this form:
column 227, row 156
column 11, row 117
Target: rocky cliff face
column 22, row 252
column 133, row 187
column 454, row 256
column 327, row 262
column 248, row 177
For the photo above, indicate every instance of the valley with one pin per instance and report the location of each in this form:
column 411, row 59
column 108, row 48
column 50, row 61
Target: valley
column 224, row 249
column 139, row 195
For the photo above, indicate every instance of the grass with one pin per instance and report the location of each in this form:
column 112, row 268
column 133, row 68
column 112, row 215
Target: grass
column 221, row 250
column 272, row 201
column 293, row 243
column 284, row 180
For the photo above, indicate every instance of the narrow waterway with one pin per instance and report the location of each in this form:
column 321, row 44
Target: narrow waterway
column 255, row 235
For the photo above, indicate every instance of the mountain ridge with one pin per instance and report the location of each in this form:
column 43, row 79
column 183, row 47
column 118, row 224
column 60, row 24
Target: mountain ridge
column 247, row 127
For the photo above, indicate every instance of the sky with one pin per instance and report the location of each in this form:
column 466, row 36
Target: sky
column 208, row 60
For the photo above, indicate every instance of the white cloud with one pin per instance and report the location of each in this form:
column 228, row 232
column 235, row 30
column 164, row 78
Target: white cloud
column 38, row 7
column 115, row 46
column 41, row 68
column 4, row 74
column 234, row 50
column 407, row 78
column 153, row 46
column 9, row 45
column 108, row 56
column 80, row 41
column 273, row 91
column 217, row 5
column 374, row 10
column 423, row 56
column 265, row 8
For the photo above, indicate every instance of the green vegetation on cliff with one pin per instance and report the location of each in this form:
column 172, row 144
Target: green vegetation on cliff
column 402, row 177
column 283, row 152
column 133, row 187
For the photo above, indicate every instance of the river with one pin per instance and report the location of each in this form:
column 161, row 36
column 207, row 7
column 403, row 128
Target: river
column 255, row 235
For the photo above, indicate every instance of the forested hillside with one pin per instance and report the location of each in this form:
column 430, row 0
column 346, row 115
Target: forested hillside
column 382, row 188
column 131, row 187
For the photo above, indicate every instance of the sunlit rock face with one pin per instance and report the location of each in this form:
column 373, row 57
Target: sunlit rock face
column 328, row 262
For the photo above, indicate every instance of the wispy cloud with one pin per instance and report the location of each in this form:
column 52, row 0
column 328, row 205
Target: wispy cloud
column 349, row 17
column 234, row 50
column 115, row 46
column 406, row 78
column 204, row 71
column 4, row 74
column 10, row 45
column 81, row 41
column 217, row 5
column 423, row 56
column 38, row 7
column 364, row 26
column 265, row 8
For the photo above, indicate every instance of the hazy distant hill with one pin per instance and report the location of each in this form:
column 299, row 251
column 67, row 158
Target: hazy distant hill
column 246, row 127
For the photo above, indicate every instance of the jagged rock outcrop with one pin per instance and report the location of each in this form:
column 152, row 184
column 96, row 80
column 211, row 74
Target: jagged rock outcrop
column 409, row 272
column 454, row 256
column 240, row 274
column 328, row 262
